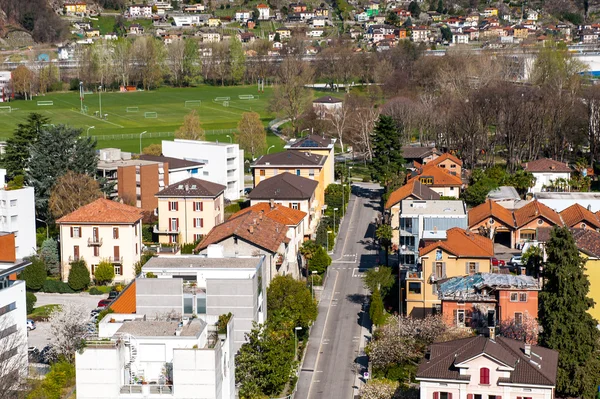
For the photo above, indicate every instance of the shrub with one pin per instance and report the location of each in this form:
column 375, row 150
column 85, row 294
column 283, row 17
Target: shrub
column 95, row 291
column 57, row 286
column 30, row 300
column 34, row 274
column 79, row 276
column 104, row 273
column 49, row 255
column 319, row 262
column 151, row 275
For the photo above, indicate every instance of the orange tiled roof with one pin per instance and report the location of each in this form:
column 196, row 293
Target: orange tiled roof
column 103, row 211
column 532, row 211
column 546, row 165
column 413, row 187
column 576, row 214
column 490, row 209
column 445, row 156
column 441, row 177
column 462, row 243
column 125, row 302
column 278, row 213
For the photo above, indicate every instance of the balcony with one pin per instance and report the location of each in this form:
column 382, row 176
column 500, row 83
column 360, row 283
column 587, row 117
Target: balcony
column 115, row 260
column 152, row 389
column 94, row 242
column 74, row 258
column 414, row 275
column 157, row 230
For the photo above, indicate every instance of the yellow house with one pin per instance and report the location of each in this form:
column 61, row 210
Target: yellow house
column 521, row 32
column 320, row 145
column 75, row 8
column 462, row 253
column 588, row 242
column 214, row 22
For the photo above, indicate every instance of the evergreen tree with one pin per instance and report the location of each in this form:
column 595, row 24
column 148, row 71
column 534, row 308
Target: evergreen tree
column 440, row 6
column 292, row 296
column 563, row 314
column 57, row 150
column 104, row 273
column 49, row 255
column 388, row 164
column 414, row 9
column 34, row 275
column 79, row 276
column 319, row 262
column 376, row 311
column 16, row 157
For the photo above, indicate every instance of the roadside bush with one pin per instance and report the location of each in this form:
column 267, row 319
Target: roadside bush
column 57, row 287
column 79, row 276
column 95, row 291
column 104, row 273
column 30, row 300
column 319, row 262
column 61, row 376
column 34, row 274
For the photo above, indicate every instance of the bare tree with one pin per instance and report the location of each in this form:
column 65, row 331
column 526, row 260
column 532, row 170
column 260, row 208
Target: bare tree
column 122, row 60
column 13, row 356
column 176, row 58
column 251, row 136
column 364, row 115
column 72, row 191
column 339, row 121
column 68, row 329
column 23, row 78
column 191, row 128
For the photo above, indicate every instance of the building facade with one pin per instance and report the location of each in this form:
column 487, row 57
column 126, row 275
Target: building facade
column 17, row 216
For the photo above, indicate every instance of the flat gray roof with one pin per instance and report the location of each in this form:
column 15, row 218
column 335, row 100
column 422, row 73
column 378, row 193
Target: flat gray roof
column 432, row 207
column 568, row 196
column 152, row 328
column 129, row 162
column 503, row 193
column 198, row 261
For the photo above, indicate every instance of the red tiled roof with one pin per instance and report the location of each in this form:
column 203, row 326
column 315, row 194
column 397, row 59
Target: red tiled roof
column 588, row 241
column 546, row 165
column 444, row 157
column 534, row 210
column 103, row 211
column 441, row 177
column 279, row 213
column 462, row 243
column 576, row 214
column 490, row 209
column 414, row 188
column 125, row 302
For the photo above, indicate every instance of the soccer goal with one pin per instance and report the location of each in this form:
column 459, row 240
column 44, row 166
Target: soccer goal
column 221, row 99
column 247, row 97
column 193, row 103
column 226, row 103
column 84, row 109
column 132, row 109
column 41, row 103
column 152, row 115
column 5, row 109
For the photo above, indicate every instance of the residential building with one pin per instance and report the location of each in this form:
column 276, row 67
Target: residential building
column 140, row 11
column 546, row 172
column 480, row 367
column 411, row 191
column 420, row 34
column 588, row 243
column 530, row 218
column 293, row 191
column 461, row 253
column 561, row 201
column 264, row 12
column 211, row 37
column 314, row 33
column 576, row 216
column 17, row 216
column 507, row 196
column 179, row 169
column 485, row 300
column 13, row 312
column 194, row 8
column 102, row 230
column 460, row 38
column 426, row 220
column 420, row 155
column 243, row 16
column 72, row 8
column 284, row 33
column 326, row 105
column 5, row 86
column 268, row 229
column 188, row 210
column 223, row 162
column 139, row 357
column 214, row 22
column 321, row 145
column 318, row 22
column 136, row 29
column 206, row 286
column 448, row 162
column 182, row 20
column 439, row 179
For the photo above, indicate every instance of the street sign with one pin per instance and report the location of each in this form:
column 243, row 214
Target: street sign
column 366, row 375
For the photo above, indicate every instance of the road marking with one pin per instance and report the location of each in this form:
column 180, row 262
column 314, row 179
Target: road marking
column 356, row 272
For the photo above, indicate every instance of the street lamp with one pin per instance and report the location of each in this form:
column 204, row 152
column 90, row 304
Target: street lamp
column 141, row 134
column 334, row 209
column 296, row 329
column 303, row 130
column 230, row 139
column 88, row 130
column 328, row 232
column 46, row 223
column 312, row 283
column 100, row 99
column 268, row 149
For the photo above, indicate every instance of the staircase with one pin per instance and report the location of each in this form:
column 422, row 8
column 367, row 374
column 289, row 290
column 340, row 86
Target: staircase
column 132, row 357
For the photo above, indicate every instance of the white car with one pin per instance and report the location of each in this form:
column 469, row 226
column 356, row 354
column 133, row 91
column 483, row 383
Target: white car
column 30, row 325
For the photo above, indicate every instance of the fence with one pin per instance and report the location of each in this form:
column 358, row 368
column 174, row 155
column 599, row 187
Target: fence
column 152, row 134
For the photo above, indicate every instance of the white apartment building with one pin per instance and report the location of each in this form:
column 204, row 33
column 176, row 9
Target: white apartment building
column 264, row 12
column 223, row 162
column 243, row 16
column 191, row 19
column 5, row 92
column 17, row 215
column 102, row 230
column 140, row 11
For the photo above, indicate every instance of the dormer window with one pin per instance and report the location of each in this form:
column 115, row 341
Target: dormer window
column 484, row 376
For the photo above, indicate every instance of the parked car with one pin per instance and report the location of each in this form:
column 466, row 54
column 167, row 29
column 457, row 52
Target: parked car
column 113, row 295
column 514, row 263
column 30, row 325
column 104, row 303
column 498, row 262
column 247, row 190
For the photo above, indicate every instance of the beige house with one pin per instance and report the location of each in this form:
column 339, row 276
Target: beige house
column 188, row 210
column 102, row 230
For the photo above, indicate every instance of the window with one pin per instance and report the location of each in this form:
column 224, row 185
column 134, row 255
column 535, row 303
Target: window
column 414, row 288
column 8, row 331
column 472, row 267
column 311, row 173
column 452, row 166
column 198, row 206
column 523, row 297
column 76, row 232
column 197, row 237
column 262, row 172
column 13, row 203
column 188, row 304
column 583, row 225
column 136, row 229
column 514, row 296
column 96, row 251
column 451, row 188
column 174, row 224
column 484, row 376
column 297, row 172
column 76, row 252
column 173, row 205
column 198, row 222
column 442, row 395
column 427, row 180
column 116, row 233
column 439, row 269
column 540, row 222
column 477, row 396
column 518, row 318
column 136, row 248
column 95, row 234
column 117, row 253
column 201, row 304
column 8, row 308
column 528, row 235
column 460, row 317
column 294, row 205
column 235, row 240
column 118, row 270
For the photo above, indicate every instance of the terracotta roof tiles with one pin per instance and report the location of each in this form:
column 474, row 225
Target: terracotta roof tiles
column 126, row 301
column 412, row 188
column 546, row 165
column 588, row 241
column 532, row 211
column 103, row 211
column 444, row 157
column 462, row 243
column 278, row 213
column 441, row 177
column 576, row 214
column 491, row 209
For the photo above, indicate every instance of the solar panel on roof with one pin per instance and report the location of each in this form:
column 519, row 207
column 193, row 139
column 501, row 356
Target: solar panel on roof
column 309, row 143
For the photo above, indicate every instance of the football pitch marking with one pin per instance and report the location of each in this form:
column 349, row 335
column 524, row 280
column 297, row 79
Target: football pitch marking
column 98, row 119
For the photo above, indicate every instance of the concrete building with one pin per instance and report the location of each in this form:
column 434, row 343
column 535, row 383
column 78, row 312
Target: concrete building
column 179, row 169
column 243, row 16
column 140, row 11
column 561, row 201
column 223, row 162
column 188, row 210
column 13, row 314
column 191, row 20
column 206, row 286
column 547, row 172
column 264, row 12
column 326, row 105
column 102, row 230
column 17, row 216
column 5, row 86
column 135, row 357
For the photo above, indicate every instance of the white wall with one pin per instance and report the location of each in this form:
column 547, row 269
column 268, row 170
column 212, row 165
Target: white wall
column 545, row 179
column 17, row 215
column 14, row 293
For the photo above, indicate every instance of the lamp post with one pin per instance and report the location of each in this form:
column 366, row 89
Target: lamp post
column 141, row 134
column 312, row 283
column 296, row 329
column 328, row 232
column 230, row 139
column 81, row 96
column 88, row 130
column 100, row 99
column 269, row 149
column 334, row 209
column 303, row 130
column 46, row 223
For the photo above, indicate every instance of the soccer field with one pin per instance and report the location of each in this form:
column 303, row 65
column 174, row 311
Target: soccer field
column 131, row 113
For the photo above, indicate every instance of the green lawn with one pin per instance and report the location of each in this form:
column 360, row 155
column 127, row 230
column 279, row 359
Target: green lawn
column 167, row 103
column 42, row 312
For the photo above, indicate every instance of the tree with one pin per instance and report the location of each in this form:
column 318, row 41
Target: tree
column 384, row 234
column 16, row 157
column 34, row 274
column 237, row 60
column 79, row 275
column 446, row 33
column 23, row 80
column 309, row 249
column 378, row 389
column 563, row 314
column 153, row 149
column 191, row 128
column 376, row 311
column 533, row 260
column 414, row 9
column 476, row 193
column 68, row 325
column 72, row 191
column 149, row 56
column 104, row 273
column 175, row 58
column 49, row 256
column 11, row 381
column 252, row 136
column 319, row 262
column 57, row 150
column 30, row 300
column 388, row 164
column 293, row 297
column 381, row 277
column 526, row 330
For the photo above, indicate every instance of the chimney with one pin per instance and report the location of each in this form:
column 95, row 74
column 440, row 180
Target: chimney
column 527, row 350
column 272, row 203
column 492, row 333
column 251, row 229
column 260, row 215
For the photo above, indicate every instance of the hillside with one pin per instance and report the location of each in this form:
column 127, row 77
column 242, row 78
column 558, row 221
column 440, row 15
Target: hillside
column 36, row 17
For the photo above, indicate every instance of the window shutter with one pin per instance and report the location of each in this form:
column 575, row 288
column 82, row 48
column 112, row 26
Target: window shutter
column 201, row 206
column 443, row 269
column 195, row 222
column 201, row 222
column 434, row 288
column 498, row 397
column 470, row 396
column 170, row 205
column 436, row 395
column 449, row 395
column 476, row 267
column 467, row 268
column 176, row 206
column 177, row 221
column 71, row 231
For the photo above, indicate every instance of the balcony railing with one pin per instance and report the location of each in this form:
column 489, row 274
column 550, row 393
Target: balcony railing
column 414, row 275
column 94, row 241
column 74, row 258
column 115, row 260
column 153, row 389
column 157, row 230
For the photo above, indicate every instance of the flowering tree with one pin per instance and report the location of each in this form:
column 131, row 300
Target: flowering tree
column 527, row 330
column 378, row 389
column 68, row 327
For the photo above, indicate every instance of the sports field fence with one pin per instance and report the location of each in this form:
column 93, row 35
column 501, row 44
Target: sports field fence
column 149, row 135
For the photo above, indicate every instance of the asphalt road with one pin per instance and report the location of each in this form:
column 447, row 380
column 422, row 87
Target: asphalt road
column 337, row 339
